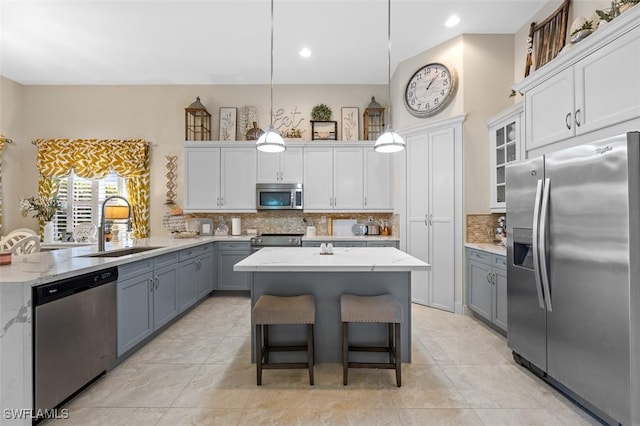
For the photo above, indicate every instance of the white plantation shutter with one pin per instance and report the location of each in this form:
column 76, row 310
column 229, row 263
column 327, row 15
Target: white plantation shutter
column 82, row 203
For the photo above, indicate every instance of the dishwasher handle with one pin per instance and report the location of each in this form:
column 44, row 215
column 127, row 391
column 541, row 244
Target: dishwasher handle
column 47, row 293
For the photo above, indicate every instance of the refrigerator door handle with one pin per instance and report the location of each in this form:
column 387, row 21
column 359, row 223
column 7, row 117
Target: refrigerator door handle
column 543, row 244
column 536, row 253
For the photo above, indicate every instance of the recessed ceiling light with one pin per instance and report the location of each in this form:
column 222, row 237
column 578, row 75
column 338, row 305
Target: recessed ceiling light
column 305, row 52
column 452, row 21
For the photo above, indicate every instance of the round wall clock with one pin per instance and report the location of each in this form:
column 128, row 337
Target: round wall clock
column 430, row 89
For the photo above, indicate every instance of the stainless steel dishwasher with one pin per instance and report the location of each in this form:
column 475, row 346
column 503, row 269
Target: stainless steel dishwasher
column 74, row 337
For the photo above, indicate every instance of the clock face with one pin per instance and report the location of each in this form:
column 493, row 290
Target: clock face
column 430, row 89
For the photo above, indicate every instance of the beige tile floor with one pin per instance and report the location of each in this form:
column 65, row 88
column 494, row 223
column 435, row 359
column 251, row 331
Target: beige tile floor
column 198, row 372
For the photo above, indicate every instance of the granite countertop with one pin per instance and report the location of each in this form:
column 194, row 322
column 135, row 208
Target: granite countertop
column 344, row 259
column 46, row 266
column 488, row 247
column 351, row 238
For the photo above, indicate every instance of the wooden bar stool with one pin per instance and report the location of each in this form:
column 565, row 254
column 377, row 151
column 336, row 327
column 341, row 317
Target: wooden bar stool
column 273, row 310
column 377, row 309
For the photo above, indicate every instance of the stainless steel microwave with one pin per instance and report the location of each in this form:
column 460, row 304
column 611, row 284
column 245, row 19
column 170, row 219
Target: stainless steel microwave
column 279, row 196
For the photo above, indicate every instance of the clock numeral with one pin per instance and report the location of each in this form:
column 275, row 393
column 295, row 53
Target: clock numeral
column 419, row 76
column 444, row 74
column 411, row 94
column 412, row 86
column 419, row 105
column 427, row 105
column 442, row 93
column 436, row 101
column 413, row 101
column 428, row 70
column 445, row 82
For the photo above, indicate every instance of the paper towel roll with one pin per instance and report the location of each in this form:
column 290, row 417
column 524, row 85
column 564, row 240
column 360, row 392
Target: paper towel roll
column 235, row 226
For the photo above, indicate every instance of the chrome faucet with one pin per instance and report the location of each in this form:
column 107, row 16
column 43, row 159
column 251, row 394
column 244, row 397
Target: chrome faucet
column 101, row 237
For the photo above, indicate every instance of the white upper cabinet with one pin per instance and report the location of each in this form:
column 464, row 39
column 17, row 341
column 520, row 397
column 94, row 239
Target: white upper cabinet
column 222, row 176
column 283, row 167
column 219, row 178
column 588, row 88
column 505, row 136
column 201, row 179
column 377, row 180
column 550, row 109
column 606, row 93
column 348, row 178
column 318, row 178
column 238, row 179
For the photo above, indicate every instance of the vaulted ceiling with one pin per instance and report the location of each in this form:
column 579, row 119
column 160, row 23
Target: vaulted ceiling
column 228, row 41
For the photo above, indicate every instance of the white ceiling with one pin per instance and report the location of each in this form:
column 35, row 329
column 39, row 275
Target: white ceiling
column 228, row 41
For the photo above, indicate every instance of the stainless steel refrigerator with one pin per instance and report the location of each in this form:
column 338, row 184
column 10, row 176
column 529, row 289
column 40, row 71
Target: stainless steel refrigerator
column 573, row 274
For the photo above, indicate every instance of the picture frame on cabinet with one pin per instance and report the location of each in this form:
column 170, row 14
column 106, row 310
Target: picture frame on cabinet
column 350, row 123
column 324, row 130
column 228, row 123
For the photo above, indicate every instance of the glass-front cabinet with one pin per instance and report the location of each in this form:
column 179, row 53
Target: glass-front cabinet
column 505, row 137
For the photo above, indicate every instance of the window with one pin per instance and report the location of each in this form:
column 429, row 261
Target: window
column 82, row 199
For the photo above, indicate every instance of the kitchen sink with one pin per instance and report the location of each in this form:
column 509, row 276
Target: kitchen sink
column 120, row 252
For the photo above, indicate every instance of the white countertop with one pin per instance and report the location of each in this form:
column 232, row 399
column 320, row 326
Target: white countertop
column 39, row 268
column 488, row 247
column 344, row 259
column 351, row 238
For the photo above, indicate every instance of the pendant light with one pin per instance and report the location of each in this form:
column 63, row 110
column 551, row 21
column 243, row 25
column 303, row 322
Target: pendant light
column 389, row 141
column 271, row 141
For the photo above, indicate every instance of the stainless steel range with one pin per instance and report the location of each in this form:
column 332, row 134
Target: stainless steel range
column 276, row 240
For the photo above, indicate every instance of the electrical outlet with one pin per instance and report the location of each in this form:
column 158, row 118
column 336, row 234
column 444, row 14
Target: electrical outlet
column 370, row 219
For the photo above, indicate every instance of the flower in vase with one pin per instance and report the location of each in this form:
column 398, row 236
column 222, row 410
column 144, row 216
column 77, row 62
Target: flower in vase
column 43, row 208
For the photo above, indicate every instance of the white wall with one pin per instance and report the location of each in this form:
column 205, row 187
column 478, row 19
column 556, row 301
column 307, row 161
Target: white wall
column 11, row 125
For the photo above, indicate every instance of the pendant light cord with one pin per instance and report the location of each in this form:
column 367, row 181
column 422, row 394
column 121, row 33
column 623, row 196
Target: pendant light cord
column 271, row 80
column 388, row 58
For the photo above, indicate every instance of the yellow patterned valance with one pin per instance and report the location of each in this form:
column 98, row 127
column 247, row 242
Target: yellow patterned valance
column 94, row 159
column 91, row 158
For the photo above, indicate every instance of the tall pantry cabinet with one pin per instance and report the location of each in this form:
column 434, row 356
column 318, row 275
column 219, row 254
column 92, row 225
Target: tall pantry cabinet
column 434, row 211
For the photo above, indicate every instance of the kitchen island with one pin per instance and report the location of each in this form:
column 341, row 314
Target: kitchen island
column 286, row 271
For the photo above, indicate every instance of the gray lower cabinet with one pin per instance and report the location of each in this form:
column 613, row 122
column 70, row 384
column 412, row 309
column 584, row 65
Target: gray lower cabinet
column 379, row 243
column 487, row 286
column 228, row 254
column 146, row 298
column 205, row 273
column 195, row 275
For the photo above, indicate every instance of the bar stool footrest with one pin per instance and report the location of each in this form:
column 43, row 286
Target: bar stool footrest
column 379, row 365
column 284, row 365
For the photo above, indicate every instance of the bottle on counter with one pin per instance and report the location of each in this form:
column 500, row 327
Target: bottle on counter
column 223, row 228
column 385, row 230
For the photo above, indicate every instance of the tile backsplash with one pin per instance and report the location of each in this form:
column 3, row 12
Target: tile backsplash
column 291, row 222
column 481, row 227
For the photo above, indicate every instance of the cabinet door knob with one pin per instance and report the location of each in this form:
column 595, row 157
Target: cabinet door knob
column 567, row 121
column 150, row 284
column 489, row 278
column 578, row 117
